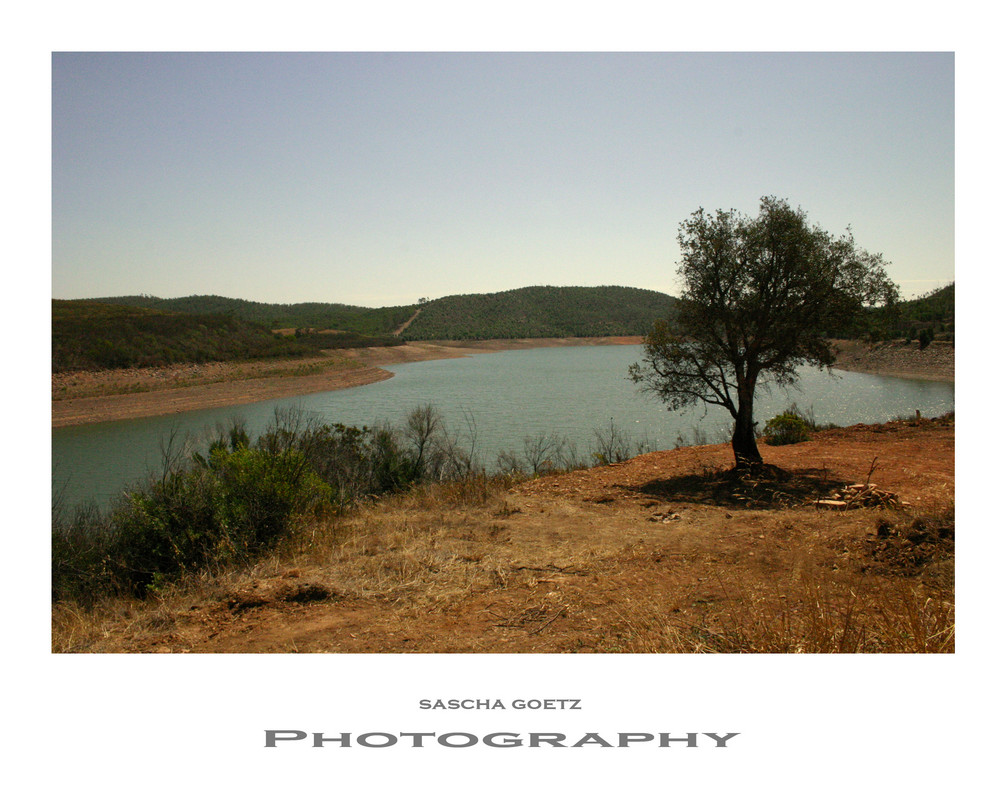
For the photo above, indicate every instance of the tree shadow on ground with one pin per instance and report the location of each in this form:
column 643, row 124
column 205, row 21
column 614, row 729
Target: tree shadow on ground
column 763, row 487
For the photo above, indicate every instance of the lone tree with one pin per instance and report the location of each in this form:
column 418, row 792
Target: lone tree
column 761, row 297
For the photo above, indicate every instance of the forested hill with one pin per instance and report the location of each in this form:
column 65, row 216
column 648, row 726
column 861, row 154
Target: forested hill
column 932, row 314
column 521, row 313
column 323, row 316
column 529, row 312
column 935, row 310
column 87, row 335
column 534, row 312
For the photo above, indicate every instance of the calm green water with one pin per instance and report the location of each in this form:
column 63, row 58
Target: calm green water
column 504, row 396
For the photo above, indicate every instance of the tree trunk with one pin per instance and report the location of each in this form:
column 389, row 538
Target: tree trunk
column 744, row 437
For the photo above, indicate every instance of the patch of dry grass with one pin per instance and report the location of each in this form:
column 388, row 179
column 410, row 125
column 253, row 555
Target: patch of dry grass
column 434, row 545
column 475, row 566
column 872, row 597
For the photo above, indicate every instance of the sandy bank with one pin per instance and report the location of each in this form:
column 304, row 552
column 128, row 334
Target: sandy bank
column 898, row 359
column 427, row 351
column 109, row 408
column 111, row 395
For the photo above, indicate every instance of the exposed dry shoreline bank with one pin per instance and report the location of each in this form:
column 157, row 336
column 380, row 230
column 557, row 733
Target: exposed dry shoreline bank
column 110, row 395
column 91, row 397
column 898, row 359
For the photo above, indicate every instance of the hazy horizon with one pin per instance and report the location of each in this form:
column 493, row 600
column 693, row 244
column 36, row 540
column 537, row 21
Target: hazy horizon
column 386, row 305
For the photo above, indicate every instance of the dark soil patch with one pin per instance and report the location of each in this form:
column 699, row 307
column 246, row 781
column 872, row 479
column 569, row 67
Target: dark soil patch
column 908, row 549
column 306, row 593
column 301, row 593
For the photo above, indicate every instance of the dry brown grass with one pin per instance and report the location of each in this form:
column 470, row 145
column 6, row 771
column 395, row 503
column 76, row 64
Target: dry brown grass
column 811, row 616
column 620, row 559
column 465, row 573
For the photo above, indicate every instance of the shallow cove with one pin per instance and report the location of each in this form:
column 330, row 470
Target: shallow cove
column 498, row 398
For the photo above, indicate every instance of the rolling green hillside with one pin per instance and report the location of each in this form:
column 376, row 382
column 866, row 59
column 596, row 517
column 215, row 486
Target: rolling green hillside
column 522, row 313
column 335, row 316
column 90, row 335
column 935, row 310
column 144, row 330
column 534, row 312
column 934, row 313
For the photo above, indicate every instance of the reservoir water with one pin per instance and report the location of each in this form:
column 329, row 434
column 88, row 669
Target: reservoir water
column 499, row 398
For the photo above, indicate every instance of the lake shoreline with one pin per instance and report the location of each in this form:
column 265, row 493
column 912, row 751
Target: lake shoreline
column 162, row 391
column 898, row 359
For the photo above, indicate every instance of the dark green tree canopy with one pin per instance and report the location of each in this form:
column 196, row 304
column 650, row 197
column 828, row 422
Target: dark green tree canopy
column 760, row 298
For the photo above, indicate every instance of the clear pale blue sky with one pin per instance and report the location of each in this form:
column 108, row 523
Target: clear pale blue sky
column 376, row 179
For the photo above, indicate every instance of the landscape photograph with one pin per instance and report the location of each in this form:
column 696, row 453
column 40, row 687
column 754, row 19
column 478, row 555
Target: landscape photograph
column 504, row 353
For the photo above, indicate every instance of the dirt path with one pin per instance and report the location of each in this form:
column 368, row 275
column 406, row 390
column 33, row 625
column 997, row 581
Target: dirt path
column 407, row 324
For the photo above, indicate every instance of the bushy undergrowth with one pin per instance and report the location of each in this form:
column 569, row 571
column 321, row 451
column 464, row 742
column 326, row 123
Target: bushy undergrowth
column 786, row 428
column 792, row 426
column 230, row 502
column 225, row 505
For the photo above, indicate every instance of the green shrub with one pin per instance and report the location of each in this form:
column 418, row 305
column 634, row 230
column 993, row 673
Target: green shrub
column 259, row 493
column 169, row 526
column 226, row 505
column 786, row 428
column 79, row 555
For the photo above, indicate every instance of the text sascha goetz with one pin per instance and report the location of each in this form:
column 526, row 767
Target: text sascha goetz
column 500, row 739
column 533, row 704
